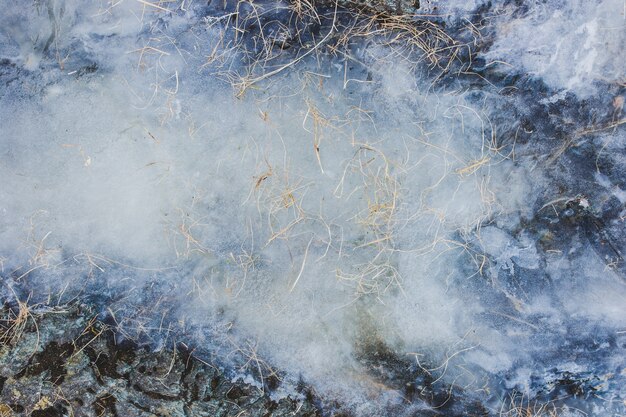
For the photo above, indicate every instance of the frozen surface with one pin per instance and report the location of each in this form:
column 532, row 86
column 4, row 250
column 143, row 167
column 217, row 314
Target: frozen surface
column 400, row 233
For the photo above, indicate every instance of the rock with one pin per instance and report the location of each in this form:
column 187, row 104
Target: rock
column 385, row 6
column 70, row 364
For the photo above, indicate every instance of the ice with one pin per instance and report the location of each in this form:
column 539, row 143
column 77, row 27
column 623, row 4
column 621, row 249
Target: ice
column 346, row 219
column 570, row 45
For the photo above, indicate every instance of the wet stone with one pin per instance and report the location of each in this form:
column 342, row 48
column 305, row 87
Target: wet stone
column 86, row 372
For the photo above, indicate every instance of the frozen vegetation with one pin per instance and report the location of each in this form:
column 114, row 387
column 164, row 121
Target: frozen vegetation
column 412, row 215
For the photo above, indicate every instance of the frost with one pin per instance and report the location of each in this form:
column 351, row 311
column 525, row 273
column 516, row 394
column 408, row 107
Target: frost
column 507, row 251
column 355, row 221
column 570, row 45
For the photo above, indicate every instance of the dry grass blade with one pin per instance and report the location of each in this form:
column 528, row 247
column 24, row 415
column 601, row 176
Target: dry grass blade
column 519, row 405
column 14, row 325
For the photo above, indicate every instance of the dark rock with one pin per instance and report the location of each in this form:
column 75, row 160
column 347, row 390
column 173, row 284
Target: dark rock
column 99, row 377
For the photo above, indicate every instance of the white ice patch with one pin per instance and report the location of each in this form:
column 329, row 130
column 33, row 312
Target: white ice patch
column 507, row 251
column 568, row 44
column 301, row 215
column 596, row 293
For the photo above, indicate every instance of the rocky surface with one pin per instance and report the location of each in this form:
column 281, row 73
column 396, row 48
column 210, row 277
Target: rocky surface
column 388, row 6
column 65, row 362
